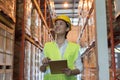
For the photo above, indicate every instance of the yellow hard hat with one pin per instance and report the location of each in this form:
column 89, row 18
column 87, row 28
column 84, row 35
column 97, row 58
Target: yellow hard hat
column 64, row 18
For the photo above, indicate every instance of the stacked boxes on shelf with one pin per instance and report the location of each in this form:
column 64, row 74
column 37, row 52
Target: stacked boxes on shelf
column 32, row 73
column 32, row 62
column 9, row 55
column 9, row 8
column 34, row 24
column 27, row 60
column 2, row 54
column 7, row 28
column 28, row 12
column 37, row 63
column 39, row 29
column 6, row 52
column 87, row 38
column 87, row 22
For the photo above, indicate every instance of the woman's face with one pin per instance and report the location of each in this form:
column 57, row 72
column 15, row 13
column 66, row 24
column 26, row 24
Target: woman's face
column 61, row 27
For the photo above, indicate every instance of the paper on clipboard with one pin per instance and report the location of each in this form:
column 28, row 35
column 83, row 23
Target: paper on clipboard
column 57, row 66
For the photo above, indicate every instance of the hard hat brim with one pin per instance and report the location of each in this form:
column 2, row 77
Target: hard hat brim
column 63, row 20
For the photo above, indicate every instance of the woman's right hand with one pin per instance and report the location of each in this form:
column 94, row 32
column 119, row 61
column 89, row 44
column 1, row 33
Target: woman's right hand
column 45, row 61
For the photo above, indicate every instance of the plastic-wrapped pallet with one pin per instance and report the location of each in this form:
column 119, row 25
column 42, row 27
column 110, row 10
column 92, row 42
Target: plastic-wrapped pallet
column 39, row 30
column 42, row 34
column 2, row 39
column 34, row 24
column 9, row 48
column 36, row 63
column 9, row 60
column 27, row 60
column 2, row 59
column 9, row 8
column 2, row 48
column 9, row 43
column 32, row 68
column 40, row 63
column 28, row 9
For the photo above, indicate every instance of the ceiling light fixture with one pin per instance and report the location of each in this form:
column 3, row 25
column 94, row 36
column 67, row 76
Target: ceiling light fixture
column 65, row 4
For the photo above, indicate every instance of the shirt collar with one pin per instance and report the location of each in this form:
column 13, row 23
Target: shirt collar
column 65, row 42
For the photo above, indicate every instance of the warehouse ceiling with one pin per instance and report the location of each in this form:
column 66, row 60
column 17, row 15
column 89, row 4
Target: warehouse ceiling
column 68, row 7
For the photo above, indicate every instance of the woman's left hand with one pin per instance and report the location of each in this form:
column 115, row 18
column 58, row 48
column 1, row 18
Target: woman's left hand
column 67, row 71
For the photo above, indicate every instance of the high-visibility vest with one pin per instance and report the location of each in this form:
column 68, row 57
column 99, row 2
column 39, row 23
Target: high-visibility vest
column 70, row 54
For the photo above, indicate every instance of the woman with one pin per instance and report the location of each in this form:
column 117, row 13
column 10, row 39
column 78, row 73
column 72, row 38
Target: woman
column 61, row 49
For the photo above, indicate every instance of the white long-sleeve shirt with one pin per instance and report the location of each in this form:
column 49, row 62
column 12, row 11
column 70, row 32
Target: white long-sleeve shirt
column 78, row 63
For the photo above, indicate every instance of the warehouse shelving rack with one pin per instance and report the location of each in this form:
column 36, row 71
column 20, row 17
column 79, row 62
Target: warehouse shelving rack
column 22, row 39
column 113, row 40
column 87, row 39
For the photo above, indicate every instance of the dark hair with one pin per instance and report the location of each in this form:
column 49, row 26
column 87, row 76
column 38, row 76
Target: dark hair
column 67, row 31
column 66, row 35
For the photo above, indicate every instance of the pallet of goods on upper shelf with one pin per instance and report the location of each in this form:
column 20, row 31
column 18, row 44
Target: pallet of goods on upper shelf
column 6, row 46
column 32, row 20
column 6, row 52
column 34, row 24
column 27, row 16
column 8, row 7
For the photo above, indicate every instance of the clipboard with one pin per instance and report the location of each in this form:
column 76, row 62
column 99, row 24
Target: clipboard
column 57, row 66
